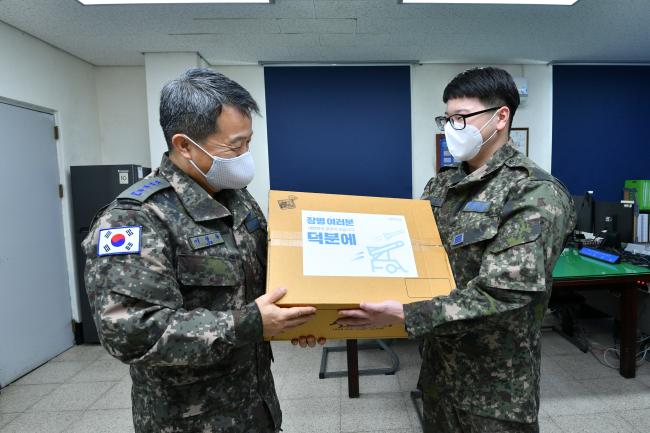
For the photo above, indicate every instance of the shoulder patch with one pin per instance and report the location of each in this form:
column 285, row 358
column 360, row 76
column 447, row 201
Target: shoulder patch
column 119, row 240
column 540, row 174
column 142, row 190
column 436, row 201
column 252, row 223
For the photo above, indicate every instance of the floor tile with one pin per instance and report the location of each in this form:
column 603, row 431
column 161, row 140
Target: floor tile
column 307, row 386
column 584, row 366
column 407, row 351
column 43, row 422
column 601, row 401
column 644, row 369
column 570, row 398
column 5, row 418
column 644, row 378
column 374, row 412
column 600, row 423
column 401, row 430
column 102, row 370
column 621, row 393
column 298, row 360
column 411, row 411
column 104, row 421
column 118, row 397
column 19, row 398
column 552, row 370
column 554, row 344
column 81, row 353
column 311, row 415
column 53, row 372
column 72, row 396
column 639, row 419
column 408, row 377
column 547, row 425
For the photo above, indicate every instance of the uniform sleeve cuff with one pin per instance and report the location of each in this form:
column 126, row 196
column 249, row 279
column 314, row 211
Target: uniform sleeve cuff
column 248, row 324
column 420, row 318
column 408, row 320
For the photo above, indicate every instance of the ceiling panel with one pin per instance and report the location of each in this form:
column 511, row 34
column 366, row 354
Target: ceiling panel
column 346, row 30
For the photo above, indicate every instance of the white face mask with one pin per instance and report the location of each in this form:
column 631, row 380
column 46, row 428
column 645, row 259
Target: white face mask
column 466, row 143
column 231, row 173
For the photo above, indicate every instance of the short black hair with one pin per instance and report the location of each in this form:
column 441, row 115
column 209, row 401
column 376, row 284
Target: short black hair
column 191, row 103
column 492, row 86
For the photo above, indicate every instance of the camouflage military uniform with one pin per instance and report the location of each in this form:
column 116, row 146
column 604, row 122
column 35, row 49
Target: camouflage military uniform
column 503, row 226
column 182, row 311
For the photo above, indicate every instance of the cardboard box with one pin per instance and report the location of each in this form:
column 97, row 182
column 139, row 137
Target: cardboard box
column 335, row 251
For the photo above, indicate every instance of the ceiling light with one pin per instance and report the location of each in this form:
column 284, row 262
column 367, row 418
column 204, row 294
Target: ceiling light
column 141, row 2
column 503, row 2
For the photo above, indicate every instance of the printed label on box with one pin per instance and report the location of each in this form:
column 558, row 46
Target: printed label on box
column 338, row 244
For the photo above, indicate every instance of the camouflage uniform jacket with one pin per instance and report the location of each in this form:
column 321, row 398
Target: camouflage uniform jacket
column 182, row 311
column 503, row 227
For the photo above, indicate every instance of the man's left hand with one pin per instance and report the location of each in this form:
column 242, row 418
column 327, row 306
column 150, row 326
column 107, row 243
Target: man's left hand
column 309, row 340
column 372, row 315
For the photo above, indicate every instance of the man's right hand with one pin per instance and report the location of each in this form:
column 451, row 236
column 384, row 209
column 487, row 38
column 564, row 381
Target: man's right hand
column 277, row 319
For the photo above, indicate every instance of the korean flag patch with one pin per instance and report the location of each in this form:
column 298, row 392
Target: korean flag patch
column 119, row 240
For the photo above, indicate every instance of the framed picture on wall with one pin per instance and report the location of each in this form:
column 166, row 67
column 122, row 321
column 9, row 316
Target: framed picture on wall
column 520, row 139
column 443, row 157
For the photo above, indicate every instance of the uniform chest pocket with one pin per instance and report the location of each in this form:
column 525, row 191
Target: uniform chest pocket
column 473, row 230
column 207, row 271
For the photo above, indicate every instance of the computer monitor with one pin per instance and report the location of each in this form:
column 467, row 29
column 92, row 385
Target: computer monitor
column 584, row 205
column 615, row 218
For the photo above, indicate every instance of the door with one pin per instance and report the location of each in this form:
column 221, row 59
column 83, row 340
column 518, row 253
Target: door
column 35, row 312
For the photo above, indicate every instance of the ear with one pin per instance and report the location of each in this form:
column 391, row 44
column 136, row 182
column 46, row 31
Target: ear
column 181, row 145
column 503, row 118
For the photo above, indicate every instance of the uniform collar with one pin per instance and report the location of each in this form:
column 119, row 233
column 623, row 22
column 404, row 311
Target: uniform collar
column 196, row 200
column 499, row 158
column 234, row 200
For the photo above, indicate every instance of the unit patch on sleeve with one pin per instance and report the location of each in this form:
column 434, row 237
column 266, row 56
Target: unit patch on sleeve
column 119, row 240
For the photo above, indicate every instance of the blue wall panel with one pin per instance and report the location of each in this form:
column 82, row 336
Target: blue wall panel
column 600, row 127
column 340, row 130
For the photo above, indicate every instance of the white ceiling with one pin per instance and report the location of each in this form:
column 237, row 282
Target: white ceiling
column 342, row 30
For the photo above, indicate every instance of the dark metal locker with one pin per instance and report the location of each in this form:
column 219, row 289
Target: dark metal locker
column 94, row 186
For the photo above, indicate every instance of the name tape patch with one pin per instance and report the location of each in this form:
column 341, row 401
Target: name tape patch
column 207, row 240
column 477, row 206
column 119, row 240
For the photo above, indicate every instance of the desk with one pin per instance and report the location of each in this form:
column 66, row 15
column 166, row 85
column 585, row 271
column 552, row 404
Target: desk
column 575, row 272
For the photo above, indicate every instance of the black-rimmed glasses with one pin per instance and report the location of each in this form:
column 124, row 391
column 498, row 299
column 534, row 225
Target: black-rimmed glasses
column 458, row 120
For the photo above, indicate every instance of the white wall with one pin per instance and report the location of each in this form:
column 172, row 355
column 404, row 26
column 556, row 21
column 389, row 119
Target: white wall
column 160, row 68
column 33, row 72
column 427, row 85
column 122, row 112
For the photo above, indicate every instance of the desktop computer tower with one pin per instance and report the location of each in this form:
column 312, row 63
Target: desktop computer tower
column 94, row 186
